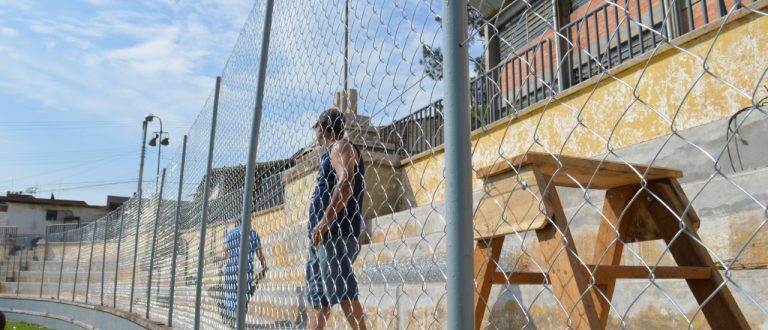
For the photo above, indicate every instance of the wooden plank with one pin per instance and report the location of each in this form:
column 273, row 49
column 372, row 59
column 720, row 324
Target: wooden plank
column 608, row 249
column 510, row 203
column 571, row 171
column 485, row 261
column 609, row 273
column 566, row 273
column 720, row 310
column 519, row 278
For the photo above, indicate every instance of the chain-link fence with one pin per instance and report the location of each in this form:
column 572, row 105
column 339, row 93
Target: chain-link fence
column 618, row 175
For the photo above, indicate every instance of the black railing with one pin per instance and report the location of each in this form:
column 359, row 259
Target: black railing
column 417, row 132
column 601, row 39
column 8, row 232
column 608, row 36
column 62, row 228
column 514, row 84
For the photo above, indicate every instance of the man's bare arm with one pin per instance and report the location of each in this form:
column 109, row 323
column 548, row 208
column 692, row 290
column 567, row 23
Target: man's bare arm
column 344, row 162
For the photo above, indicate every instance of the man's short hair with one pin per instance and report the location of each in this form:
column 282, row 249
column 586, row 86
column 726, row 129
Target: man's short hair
column 331, row 121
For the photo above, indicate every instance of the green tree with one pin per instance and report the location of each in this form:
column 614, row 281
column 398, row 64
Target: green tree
column 432, row 56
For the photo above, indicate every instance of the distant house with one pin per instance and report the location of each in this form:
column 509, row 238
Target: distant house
column 31, row 216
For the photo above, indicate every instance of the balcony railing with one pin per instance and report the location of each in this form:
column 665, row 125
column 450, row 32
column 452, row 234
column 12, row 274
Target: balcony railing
column 611, row 34
column 8, row 232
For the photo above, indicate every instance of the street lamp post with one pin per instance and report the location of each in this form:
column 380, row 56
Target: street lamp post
column 164, row 141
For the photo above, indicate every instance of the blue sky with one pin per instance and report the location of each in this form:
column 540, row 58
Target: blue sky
column 77, row 78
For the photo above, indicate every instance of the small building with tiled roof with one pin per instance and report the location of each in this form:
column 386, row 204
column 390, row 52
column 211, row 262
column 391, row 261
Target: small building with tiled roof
column 31, row 215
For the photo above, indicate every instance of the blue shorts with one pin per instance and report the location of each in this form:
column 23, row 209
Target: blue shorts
column 329, row 277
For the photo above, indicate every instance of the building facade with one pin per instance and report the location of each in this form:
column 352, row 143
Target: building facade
column 31, row 216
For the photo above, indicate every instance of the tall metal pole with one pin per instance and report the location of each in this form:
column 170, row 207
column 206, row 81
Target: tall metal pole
column 204, row 220
column 61, row 268
column 458, row 167
column 154, row 242
column 561, row 15
column 176, row 230
column 346, row 50
column 103, row 262
column 138, row 210
column 117, row 254
column 159, row 147
column 90, row 260
column 77, row 263
column 18, row 272
column 45, row 256
column 245, row 217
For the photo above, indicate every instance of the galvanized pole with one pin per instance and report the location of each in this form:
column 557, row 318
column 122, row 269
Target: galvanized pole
column 45, row 256
column 560, row 17
column 204, row 220
column 346, row 51
column 90, row 260
column 176, row 230
column 245, row 217
column 103, row 261
column 458, row 166
column 18, row 273
column 77, row 264
column 138, row 211
column 61, row 268
column 117, row 254
column 154, row 242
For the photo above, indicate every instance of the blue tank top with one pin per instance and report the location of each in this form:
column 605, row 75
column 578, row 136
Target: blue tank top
column 349, row 220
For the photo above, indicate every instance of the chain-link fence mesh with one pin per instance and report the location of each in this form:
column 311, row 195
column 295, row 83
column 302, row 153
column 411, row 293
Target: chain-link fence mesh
column 619, row 175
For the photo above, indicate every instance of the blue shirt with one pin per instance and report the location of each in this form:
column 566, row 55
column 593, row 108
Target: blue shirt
column 233, row 243
column 348, row 221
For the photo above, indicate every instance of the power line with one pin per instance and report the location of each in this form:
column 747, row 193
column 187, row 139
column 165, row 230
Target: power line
column 89, row 186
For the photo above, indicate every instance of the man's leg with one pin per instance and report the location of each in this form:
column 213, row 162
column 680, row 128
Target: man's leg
column 353, row 311
column 317, row 317
column 345, row 290
column 319, row 309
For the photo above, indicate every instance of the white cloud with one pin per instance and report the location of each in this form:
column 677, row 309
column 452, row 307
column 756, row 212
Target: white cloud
column 98, row 2
column 157, row 55
column 8, row 32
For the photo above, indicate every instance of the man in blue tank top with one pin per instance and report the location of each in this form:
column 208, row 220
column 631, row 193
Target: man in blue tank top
column 335, row 221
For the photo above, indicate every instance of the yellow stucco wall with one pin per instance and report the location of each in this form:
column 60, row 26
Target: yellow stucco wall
column 712, row 78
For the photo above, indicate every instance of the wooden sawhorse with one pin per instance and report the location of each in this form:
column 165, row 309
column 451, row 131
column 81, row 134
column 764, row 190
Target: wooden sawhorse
column 520, row 195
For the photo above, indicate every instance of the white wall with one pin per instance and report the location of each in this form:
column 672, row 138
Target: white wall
column 30, row 218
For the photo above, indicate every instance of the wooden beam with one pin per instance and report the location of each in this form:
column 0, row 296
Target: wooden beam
column 573, row 171
column 608, row 248
column 717, row 303
column 486, row 259
column 606, row 273
column 566, row 275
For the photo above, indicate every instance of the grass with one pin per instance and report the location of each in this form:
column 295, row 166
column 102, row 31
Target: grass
column 17, row 325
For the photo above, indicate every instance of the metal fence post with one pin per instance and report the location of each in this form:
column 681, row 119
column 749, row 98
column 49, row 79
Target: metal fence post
column 103, row 261
column 90, row 260
column 561, row 15
column 61, row 266
column 117, row 255
column 154, row 241
column 77, row 265
column 18, row 272
column 138, row 213
column 245, row 217
column 176, row 230
column 45, row 256
column 201, row 251
column 458, row 166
